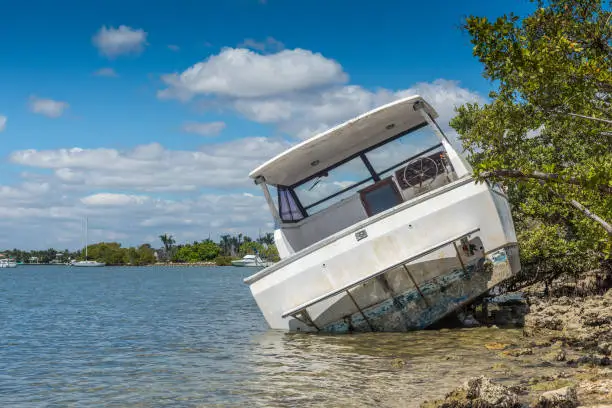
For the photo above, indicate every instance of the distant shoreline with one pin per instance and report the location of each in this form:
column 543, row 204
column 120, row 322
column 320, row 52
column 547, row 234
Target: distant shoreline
column 184, row 264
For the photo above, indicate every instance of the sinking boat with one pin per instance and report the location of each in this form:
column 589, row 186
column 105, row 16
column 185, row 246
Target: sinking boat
column 380, row 227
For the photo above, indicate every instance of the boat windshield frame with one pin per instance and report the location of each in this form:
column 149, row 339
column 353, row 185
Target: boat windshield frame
column 296, row 205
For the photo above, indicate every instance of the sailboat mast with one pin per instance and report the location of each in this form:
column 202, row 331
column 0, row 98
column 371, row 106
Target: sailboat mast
column 86, row 239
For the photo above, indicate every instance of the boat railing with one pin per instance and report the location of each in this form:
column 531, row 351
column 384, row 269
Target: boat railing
column 301, row 309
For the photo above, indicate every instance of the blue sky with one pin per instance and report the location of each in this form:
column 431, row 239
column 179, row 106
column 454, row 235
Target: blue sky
column 162, row 153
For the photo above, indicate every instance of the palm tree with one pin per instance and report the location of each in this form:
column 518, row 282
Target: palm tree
column 168, row 242
column 225, row 244
column 234, row 245
column 267, row 239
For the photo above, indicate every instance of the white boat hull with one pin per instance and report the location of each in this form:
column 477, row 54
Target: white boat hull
column 88, row 264
column 252, row 262
column 8, row 265
column 399, row 298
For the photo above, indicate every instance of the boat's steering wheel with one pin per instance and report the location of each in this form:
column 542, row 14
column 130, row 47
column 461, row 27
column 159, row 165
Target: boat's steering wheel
column 419, row 170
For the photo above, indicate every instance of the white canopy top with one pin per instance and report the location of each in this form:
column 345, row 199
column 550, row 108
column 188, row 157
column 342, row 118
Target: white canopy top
column 338, row 143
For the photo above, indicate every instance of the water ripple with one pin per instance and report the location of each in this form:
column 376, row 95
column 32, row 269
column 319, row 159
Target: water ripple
column 193, row 337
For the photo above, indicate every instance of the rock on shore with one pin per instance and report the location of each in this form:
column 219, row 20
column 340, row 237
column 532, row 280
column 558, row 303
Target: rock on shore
column 572, row 333
column 582, row 323
column 481, row 392
column 478, row 392
column 565, row 397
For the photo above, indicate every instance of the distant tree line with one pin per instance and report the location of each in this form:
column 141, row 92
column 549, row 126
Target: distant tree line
column 112, row 253
column 50, row 255
column 229, row 247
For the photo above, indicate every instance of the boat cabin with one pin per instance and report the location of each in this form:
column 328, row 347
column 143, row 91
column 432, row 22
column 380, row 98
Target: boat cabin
column 360, row 169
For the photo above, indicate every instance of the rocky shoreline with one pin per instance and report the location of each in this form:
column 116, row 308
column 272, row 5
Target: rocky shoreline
column 570, row 334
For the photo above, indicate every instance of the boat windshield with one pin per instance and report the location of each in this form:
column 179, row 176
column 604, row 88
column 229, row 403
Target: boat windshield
column 333, row 185
column 396, row 153
column 411, row 158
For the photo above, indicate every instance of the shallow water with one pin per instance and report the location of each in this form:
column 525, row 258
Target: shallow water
column 190, row 337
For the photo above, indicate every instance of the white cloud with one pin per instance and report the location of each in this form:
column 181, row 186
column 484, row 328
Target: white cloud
column 136, row 194
column 128, row 218
column 300, row 92
column 113, row 42
column 174, row 48
column 238, row 72
column 533, row 133
column 444, row 95
column 307, row 113
column 112, row 199
column 47, row 107
column 266, row 110
column 204, row 129
column 210, row 191
column 154, row 168
column 209, row 211
column 26, row 191
column 3, row 120
column 270, row 44
column 106, row 72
